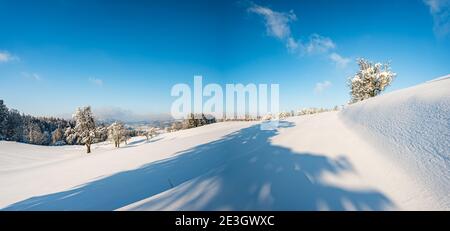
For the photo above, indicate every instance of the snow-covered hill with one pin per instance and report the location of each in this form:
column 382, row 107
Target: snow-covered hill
column 389, row 152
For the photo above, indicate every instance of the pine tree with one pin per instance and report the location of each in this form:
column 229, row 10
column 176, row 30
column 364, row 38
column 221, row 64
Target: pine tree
column 14, row 126
column 3, row 120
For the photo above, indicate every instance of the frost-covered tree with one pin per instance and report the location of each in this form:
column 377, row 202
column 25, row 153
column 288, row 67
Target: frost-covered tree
column 35, row 135
column 70, row 136
column 116, row 133
column 85, row 126
column 101, row 133
column 370, row 80
column 283, row 115
column 177, row 125
column 168, row 129
column 126, row 135
column 191, row 121
column 267, row 117
column 149, row 133
column 58, row 136
column 15, row 126
column 152, row 131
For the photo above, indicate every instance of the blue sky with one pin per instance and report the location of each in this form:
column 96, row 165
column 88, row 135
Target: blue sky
column 124, row 56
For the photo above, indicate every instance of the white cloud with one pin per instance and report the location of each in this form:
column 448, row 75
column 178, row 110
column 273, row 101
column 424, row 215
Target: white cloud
column 321, row 86
column 277, row 23
column 440, row 10
column 96, row 81
column 278, row 26
column 339, row 60
column 292, row 45
column 319, row 44
column 436, row 5
column 33, row 76
column 5, row 56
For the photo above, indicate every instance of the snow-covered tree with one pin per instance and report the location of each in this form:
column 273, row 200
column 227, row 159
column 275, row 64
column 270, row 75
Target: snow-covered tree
column 116, row 133
column 192, row 121
column 370, row 80
column 283, row 115
column 178, row 125
column 15, row 126
column 149, row 133
column 168, row 129
column 267, row 117
column 35, row 135
column 126, row 135
column 70, row 136
column 3, row 120
column 101, row 133
column 85, row 126
column 57, row 136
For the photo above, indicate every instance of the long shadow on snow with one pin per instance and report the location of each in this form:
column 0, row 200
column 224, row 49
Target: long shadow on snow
column 241, row 171
column 140, row 142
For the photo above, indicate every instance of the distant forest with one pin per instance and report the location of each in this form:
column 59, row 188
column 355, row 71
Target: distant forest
column 15, row 126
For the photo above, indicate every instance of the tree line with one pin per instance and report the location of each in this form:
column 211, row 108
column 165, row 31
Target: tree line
column 83, row 129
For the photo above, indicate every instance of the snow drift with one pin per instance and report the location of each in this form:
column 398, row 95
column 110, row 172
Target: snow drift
column 413, row 126
column 388, row 152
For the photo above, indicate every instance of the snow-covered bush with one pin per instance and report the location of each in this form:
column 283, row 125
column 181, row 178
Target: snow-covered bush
column 267, row 117
column 311, row 110
column 283, row 115
column 85, row 126
column 168, row 129
column 370, row 80
column 195, row 120
column 149, row 132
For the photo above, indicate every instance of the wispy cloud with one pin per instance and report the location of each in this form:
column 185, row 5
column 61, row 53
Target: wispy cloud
column 319, row 44
column 277, row 23
column 33, row 76
column 278, row 26
column 96, row 81
column 339, row 60
column 321, row 86
column 5, row 57
column 440, row 10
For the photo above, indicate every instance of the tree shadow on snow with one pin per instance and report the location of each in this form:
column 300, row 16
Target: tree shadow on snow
column 140, row 142
column 241, row 171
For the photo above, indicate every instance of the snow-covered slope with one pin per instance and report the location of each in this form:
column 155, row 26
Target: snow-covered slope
column 389, row 152
column 412, row 126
